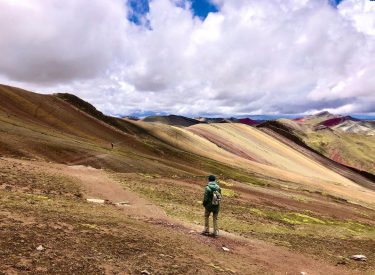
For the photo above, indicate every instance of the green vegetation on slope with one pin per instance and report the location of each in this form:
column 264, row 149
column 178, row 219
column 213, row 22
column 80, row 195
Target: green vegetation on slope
column 238, row 215
column 351, row 149
column 41, row 208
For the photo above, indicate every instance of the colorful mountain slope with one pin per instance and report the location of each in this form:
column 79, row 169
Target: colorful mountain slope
column 50, row 128
column 250, row 149
column 68, row 130
column 366, row 128
column 283, row 209
column 343, row 139
column 286, row 135
column 350, row 149
column 336, row 121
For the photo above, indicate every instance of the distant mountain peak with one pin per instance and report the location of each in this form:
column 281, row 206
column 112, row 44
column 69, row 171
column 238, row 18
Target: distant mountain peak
column 176, row 120
column 323, row 113
column 248, row 121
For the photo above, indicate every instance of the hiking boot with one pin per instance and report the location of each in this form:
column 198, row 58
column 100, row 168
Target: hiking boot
column 215, row 234
column 205, row 232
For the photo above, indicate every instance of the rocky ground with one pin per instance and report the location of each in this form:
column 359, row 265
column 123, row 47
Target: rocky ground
column 48, row 226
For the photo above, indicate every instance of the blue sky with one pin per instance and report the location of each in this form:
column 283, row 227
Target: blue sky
column 337, row 1
column 200, row 8
column 137, row 8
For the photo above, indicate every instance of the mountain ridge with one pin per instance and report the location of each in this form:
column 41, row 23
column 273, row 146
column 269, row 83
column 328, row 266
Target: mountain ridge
column 57, row 155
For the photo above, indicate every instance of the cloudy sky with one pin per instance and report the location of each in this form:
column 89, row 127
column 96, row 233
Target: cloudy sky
column 217, row 57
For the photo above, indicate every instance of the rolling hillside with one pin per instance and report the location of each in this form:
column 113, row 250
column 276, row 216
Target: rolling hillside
column 51, row 128
column 286, row 208
column 247, row 148
column 341, row 138
column 65, row 129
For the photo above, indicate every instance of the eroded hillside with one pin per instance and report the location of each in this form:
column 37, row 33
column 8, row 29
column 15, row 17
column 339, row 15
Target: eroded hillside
column 283, row 211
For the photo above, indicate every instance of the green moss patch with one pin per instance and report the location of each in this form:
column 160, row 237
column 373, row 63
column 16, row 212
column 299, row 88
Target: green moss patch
column 228, row 193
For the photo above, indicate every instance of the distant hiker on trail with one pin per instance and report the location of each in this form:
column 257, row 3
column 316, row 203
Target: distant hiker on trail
column 211, row 203
column 112, row 145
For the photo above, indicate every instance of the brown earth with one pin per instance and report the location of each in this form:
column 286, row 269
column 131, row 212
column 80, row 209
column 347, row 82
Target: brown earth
column 146, row 239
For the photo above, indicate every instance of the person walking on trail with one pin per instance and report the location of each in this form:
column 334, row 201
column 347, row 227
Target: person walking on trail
column 211, row 203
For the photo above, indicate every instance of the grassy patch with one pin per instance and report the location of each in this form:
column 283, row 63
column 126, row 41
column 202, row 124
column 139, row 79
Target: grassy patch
column 80, row 238
column 184, row 202
column 300, row 198
column 225, row 183
column 351, row 149
column 292, row 229
column 228, row 193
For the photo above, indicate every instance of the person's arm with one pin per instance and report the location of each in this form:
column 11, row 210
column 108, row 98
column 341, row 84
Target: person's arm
column 206, row 196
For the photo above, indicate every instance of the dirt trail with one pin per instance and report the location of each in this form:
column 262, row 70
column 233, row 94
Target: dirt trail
column 258, row 254
column 265, row 258
column 98, row 185
column 259, row 257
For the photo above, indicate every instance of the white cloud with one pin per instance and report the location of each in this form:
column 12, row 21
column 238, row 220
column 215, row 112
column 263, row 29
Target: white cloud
column 51, row 42
column 361, row 13
column 253, row 56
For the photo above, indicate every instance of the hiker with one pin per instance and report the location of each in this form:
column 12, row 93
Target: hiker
column 211, row 203
column 112, row 145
